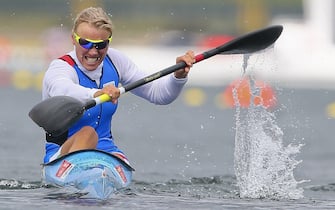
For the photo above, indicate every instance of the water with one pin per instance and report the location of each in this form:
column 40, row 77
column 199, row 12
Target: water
column 183, row 156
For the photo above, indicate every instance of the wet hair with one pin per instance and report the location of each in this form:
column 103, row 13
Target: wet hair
column 95, row 16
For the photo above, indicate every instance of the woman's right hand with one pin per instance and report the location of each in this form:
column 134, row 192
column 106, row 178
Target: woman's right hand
column 111, row 90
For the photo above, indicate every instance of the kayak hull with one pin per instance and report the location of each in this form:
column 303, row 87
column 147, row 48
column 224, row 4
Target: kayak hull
column 94, row 173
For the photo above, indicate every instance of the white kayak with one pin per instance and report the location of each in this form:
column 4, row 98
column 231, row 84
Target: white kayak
column 94, row 173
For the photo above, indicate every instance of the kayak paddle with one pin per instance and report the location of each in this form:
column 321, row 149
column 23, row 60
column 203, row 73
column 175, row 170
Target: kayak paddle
column 57, row 114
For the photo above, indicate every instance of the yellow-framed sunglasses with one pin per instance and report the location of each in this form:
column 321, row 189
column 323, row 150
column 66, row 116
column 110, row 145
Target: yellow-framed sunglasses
column 90, row 43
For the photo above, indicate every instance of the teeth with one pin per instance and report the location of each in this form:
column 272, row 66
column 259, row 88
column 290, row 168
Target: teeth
column 92, row 60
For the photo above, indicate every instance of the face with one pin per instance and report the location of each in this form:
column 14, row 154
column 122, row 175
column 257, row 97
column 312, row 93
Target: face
column 90, row 58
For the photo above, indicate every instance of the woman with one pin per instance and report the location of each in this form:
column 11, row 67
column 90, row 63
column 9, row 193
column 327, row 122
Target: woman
column 92, row 69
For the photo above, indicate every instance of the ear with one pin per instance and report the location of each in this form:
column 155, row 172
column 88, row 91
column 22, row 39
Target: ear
column 73, row 40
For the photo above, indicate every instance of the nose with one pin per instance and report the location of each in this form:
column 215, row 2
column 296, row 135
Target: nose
column 93, row 51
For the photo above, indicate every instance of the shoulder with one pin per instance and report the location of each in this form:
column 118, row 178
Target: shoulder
column 59, row 62
column 117, row 55
column 124, row 65
column 60, row 67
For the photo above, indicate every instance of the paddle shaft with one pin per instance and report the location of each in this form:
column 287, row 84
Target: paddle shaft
column 104, row 97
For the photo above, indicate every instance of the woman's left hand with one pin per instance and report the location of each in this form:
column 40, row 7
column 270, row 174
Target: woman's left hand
column 189, row 59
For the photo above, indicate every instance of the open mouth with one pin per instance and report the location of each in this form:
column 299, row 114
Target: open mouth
column 91, row 60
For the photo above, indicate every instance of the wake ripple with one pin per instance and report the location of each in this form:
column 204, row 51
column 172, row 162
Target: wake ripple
column 324, row 188
column 12, row 184
column 198, row 187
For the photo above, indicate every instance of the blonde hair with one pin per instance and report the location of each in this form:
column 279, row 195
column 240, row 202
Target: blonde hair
column 95, row 16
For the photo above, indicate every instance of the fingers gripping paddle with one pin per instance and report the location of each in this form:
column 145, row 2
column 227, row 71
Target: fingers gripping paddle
column 56, row 114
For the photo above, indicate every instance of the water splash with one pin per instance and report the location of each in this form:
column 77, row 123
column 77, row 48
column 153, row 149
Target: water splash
column 263, row 165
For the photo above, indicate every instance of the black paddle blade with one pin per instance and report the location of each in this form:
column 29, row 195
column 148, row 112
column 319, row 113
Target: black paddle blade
column 253, row 41
column 56, row 114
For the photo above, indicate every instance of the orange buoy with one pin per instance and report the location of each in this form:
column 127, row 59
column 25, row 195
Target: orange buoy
column 239, row 93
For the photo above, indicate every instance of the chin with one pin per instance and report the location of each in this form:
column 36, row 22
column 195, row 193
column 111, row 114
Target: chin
column 91, row 67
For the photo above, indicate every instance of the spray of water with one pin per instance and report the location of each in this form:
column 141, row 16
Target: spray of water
column 263, row 165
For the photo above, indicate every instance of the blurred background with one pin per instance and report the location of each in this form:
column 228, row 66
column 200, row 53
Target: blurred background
column 34, row 32
column 199, row 126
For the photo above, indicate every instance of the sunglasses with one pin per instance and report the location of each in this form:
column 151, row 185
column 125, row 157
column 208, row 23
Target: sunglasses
column 89, row 43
